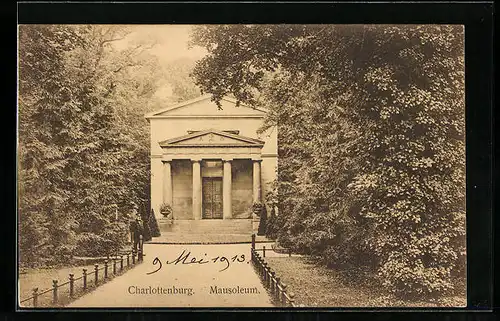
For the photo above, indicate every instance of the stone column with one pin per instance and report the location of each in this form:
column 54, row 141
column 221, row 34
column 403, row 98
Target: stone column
column 256, row 180
column 226, row 191
column 167, row 183
column 196, row 189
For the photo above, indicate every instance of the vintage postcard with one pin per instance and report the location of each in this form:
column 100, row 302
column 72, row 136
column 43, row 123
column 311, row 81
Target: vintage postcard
column 171, row 166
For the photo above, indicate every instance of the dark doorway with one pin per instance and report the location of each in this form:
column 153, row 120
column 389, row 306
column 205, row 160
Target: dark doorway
column 212, row 197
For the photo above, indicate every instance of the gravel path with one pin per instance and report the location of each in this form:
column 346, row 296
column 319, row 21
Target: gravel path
column 223, row 281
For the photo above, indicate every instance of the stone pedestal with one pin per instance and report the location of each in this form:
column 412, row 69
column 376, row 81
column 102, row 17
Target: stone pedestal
column 255, row 223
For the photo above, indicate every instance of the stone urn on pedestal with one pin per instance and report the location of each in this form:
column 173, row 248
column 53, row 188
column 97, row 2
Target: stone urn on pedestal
column 166, row 212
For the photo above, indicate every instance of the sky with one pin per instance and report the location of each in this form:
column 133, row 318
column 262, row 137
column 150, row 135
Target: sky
column 172, row 41
column 171, row 44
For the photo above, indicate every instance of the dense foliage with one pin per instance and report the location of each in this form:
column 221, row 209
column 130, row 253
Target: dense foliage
column 371, row 140
column 153, row 224
column 83, row 141
column 262, row 221
column 176, row 74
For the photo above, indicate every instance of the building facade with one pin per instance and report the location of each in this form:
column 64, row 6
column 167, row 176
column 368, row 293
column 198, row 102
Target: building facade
column 210, row 164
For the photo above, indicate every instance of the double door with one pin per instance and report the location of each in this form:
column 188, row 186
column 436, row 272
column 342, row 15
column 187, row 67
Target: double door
column 212, row 197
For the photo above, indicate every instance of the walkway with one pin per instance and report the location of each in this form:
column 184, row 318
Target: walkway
column 184, row 285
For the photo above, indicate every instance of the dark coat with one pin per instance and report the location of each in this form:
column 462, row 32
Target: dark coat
column 137, row 229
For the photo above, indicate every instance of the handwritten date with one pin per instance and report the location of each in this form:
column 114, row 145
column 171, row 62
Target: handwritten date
column 186, row 258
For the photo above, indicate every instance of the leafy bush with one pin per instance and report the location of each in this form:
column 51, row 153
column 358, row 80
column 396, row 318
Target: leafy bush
column 257, row 208
column 272, row 226
column 89, row 244
column 83, row 152
column 262, row 221
column 113, row 239
column 371, row 140
column 146, row 229
column 153, row 225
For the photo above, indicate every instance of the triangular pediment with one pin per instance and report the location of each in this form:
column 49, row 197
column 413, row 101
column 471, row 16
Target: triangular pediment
column 211, row 138
column 204, row 107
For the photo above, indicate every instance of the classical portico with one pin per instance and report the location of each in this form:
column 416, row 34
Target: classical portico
column 211, row 154
column 210, row 163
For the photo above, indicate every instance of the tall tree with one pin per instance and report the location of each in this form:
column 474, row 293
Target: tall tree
column 371, row 139
column 178, row 75
column 83, row 141
column 44, row 108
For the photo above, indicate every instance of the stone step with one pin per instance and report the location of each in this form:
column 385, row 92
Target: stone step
column 233, row 226
column 183, row 238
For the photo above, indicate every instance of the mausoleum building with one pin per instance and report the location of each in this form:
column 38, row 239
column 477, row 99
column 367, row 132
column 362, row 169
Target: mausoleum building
column 209, row 164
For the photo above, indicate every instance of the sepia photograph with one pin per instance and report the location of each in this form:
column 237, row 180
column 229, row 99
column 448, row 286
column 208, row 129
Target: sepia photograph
column 241, row 166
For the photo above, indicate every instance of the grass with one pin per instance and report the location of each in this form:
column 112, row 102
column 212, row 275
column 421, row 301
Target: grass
column 42, row 278
column 315, row 285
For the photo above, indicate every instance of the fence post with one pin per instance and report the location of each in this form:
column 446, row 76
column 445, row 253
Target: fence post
column 121, row 263
column 272, row 279
column 263, row 251
column 133, row 258
column 140, row 253
column 264, row 271
column 128, row 259
column 96, row 272
column 71, row 285
column 106, row 269
column 55, row 298
column 35, row 297
column 277, row 294
column 283, row 294
column 253, row 241
column 291, row 299
column 290, row 252
column 84, row 279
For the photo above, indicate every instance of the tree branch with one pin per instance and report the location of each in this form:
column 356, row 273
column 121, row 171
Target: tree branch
column 103, row 42
column 126, row 65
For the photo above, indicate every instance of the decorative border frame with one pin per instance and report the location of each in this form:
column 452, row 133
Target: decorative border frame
column 478, row 20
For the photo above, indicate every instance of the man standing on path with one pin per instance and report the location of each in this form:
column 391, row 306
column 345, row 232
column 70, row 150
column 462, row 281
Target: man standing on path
column 136, row 228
